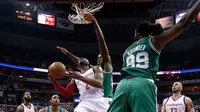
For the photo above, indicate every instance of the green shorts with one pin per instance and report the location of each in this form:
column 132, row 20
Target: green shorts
column 134, row 95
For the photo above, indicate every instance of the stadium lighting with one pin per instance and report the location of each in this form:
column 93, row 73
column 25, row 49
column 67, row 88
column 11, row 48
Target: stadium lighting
column 27, row 4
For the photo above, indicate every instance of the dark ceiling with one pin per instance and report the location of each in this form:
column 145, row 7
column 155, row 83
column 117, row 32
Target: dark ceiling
column 115, row 30
column 113, row 10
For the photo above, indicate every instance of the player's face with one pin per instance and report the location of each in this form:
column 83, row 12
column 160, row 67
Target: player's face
column 176, row 87
column 27, row 95
column 82, row 62
column 55, row 100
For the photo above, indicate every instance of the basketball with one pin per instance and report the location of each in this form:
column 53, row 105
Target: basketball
column 57, row 70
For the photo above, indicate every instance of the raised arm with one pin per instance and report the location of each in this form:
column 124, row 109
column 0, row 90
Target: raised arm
column 161, row 40
column 70, row 55
column 189, row 105
column 103, row 49
column 68, row 91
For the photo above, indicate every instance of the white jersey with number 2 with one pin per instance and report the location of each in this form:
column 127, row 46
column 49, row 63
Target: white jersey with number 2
column 91, row 98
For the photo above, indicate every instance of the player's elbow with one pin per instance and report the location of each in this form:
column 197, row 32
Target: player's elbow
column 69, row 90
column 66, row 94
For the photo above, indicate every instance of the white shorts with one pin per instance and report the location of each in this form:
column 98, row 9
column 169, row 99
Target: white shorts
column 92, row 105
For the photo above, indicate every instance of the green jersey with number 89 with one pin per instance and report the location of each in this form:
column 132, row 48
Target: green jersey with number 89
column 141, row 59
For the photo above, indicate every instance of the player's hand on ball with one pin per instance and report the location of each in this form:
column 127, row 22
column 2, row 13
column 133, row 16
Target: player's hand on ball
column 89, row 17
column 77, row 75
column 69, row 72
column 51, row 78
column 73, row 74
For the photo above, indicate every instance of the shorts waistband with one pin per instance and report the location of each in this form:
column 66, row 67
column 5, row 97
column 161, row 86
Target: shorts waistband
column 130, row 76
column 150, row 80
column 108, row 99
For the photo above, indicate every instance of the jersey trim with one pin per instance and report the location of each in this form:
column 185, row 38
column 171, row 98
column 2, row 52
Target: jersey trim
column 108, row 99
column 151, row 80
column 107, row 72
column 47, row 109
column 92, row 69
column 177, row 98
column 76, row 87
column 158, row 52
column 22, row 107
column 26, row 106
column 34, row 108
column 166, row 102
column 185, row 104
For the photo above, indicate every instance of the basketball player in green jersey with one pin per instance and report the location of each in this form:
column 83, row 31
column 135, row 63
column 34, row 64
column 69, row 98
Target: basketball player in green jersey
column 136, row 91
column 55, row 105
column 104, row 59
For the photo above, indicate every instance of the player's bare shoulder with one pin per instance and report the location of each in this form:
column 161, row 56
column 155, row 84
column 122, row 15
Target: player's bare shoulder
column 165, row 100
column 163, row 109
column 63, row 110
column 97, row 69
column 98, row 73
column 189, row 104
column 188, row 101
column 187, row 98
column 42, row 110
column 20, row 108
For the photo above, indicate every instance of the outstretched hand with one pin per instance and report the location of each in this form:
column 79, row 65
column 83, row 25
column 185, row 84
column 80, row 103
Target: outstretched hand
column 65, row 51
column 89, row 17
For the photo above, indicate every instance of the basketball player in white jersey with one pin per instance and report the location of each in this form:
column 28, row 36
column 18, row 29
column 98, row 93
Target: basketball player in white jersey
column 89, row 84
column 103, row 60
column 177, row 102
column 27, row 106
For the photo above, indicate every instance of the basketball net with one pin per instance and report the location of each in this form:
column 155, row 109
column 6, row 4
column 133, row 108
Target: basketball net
column 82, row 8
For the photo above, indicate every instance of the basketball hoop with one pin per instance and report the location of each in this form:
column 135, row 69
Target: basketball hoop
column 83, row 8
